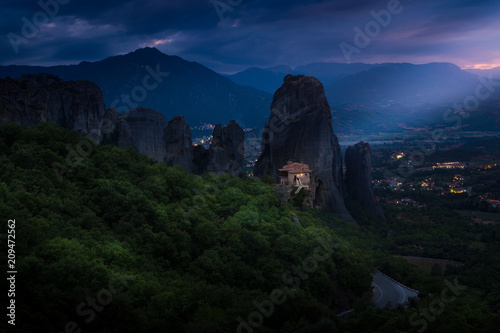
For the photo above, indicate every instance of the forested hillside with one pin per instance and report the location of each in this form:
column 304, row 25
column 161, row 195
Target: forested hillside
column 111, row 241
column 108, row 240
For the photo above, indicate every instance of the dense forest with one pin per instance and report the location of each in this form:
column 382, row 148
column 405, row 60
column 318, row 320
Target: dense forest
column 107, row 240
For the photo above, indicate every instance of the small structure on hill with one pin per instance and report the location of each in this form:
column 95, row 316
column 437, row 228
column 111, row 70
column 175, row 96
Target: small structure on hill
column 293, row 178
column 295, row 174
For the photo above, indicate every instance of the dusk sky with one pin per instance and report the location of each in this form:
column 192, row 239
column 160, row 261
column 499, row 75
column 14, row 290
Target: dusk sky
column 251, row 32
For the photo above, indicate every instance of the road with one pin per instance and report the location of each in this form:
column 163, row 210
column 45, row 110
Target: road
column 385, row 290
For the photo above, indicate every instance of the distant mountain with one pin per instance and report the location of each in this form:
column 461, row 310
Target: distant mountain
column 329, row 72
column 270, row 79
column 266, row 79
column 407, row 84
column 494, row 72
column 362, row 97
column 401, row 97
column 169, row 84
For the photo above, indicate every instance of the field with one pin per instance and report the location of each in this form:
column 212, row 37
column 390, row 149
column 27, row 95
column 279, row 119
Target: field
column 426, row 264
column 480, row 217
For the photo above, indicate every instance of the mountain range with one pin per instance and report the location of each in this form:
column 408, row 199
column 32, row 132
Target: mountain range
column 494, row 72
column 396, row 96
column 270, row 79
column 169, row 84
column 408, row 84
column 377, row 84
column 363, row 97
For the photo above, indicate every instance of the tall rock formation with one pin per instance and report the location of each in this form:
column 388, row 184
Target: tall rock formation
column 37, row 98
column 359, row 178
column 179, row 144
column 143, row 129
column 146, row 130
column 78, row 105
column 109, row 126
column 226, row 152
column 300, row 130
column 200, row 159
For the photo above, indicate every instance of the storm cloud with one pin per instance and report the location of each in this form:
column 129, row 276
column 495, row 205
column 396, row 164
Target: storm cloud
column 231, row 35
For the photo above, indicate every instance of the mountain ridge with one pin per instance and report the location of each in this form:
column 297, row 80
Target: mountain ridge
column 140, row 79
column 409, row 84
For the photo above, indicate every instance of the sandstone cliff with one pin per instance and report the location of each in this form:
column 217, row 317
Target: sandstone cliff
column 226, row 152
column 79, row 105
column 200, row 159
column 143, row 129
column 179, row 144
column 299, row 129
column 359, row 179
column 36, row 98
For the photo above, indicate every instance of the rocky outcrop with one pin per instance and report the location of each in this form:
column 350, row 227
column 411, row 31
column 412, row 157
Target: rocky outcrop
column 35, row 98
column 146, row 131
column 78, row 105
column 200, row 159
column 300, row 130
column 359, row 180
column 143, row 129
column 226, row 152
column 108, row 127
column 179, row 144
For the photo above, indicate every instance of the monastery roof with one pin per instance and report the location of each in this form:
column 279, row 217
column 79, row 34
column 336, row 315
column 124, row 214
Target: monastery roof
column 295, row 167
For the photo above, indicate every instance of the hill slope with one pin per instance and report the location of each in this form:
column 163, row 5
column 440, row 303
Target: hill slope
column 161, row 250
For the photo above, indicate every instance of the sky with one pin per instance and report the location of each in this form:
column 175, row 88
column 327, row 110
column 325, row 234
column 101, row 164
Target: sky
column 232, row 35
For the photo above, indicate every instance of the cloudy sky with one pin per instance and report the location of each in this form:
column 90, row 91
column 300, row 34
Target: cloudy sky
column 231, row 35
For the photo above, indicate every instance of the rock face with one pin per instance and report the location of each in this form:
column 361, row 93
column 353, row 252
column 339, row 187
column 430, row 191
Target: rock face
column 179, row 144
column 143, row 129
column 78, row 105
column 146, row 131
column 109, row 124
column 226, row 152
column 359, row 179
column 300, row 130
column 200, row 159
column 36, row 98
